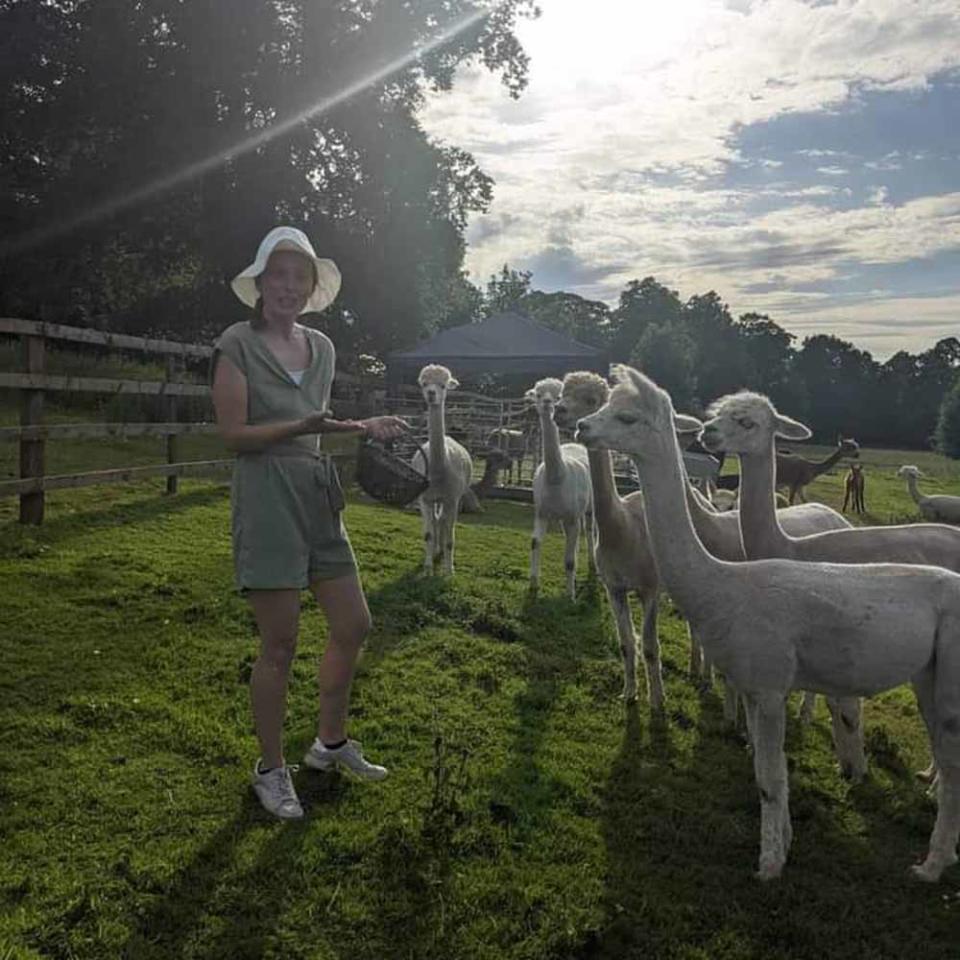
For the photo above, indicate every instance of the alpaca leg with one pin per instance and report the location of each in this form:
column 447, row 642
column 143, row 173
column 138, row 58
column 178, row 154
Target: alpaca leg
column 620, row 605
column 847, row 727
column 426, row 514
column 770, row 768
column 437, row 536
column 846, row 497
column 651, row 655
column 448, row 526
column 539, row 529
column 590, row 532
column 938, row 694
column 807, row 707
column 571, row 530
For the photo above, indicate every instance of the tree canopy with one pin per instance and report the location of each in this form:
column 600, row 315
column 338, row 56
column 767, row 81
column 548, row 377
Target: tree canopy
column 149, row 146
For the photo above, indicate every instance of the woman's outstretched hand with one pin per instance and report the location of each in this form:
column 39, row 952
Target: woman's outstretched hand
column 384, row 428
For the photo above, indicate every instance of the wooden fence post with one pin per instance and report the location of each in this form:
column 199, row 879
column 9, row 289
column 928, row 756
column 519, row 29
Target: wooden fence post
column 32, row 453
column 169, row 405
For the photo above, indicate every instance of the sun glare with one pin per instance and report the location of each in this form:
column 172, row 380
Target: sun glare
column 572, row 43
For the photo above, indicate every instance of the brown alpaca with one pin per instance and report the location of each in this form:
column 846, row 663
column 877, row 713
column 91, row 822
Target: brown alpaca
column 853, row 489
column 497, row 460
column 795, row 472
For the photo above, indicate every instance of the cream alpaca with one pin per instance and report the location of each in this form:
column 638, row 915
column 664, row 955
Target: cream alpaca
column 448, row 468
column 773, row 626
column 934, row 507
column 561, row 488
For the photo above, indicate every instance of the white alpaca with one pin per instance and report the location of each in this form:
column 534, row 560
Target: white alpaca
column 934, row 507
column 624, row 560
column 720, row 534
column 448, row 468
column 747, row 424
column 561, row 488
column 773, row 626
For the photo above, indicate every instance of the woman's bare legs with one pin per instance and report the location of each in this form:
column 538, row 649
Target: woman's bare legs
column 348, row 622
column 277, row 613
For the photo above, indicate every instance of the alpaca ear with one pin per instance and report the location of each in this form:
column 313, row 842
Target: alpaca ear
column 683, row 423
column 453, row 383
column 791, row 429
column 530, row 395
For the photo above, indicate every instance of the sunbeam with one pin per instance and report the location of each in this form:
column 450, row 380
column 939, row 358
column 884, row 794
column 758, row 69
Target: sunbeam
column 35, row 238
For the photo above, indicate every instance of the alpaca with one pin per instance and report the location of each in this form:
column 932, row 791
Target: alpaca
column 794, row 472
column 448, row 467
column 624, row 561
column 777, row 625
column 495, row 461
column 746, row 424
column 561, row 488
column 853, row 489
column 937, row 507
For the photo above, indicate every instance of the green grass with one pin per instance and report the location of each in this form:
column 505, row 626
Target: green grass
column 528, row 814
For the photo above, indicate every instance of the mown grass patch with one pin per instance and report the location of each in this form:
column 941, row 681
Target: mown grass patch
column 529, row 813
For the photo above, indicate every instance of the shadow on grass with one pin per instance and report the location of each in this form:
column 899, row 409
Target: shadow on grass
column 212, row 909
column 682, row 838
column 91, row 516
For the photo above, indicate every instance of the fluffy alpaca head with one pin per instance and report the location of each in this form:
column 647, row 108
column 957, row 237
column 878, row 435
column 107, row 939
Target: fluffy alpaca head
column 636, row 418
column 909, row 470
column 746, row 422
column 545, row 394
column 583, row 393
column 435, row 381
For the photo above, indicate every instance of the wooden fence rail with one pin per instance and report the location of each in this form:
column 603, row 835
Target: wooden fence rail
column 33, row 384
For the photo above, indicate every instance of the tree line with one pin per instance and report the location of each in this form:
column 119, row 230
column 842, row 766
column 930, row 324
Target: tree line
column 148, row 146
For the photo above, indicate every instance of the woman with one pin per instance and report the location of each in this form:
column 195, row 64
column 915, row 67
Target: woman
column 271, row 391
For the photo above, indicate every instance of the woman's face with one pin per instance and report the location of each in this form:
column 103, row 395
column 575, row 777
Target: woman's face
column 286, row 284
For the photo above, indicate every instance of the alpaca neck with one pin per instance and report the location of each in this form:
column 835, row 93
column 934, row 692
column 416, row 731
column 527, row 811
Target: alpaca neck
column 605, row 496
column 912, row 487
column 761, row 531
column 824, row 465
column 438, row 442
column 683, row 563
column 552, row 461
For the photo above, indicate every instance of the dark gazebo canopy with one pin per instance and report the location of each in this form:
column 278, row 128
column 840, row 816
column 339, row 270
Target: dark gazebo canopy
column 506, row 343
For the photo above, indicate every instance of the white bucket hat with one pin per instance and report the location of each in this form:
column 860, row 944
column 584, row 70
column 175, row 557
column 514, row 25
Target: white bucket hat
column 289, row 238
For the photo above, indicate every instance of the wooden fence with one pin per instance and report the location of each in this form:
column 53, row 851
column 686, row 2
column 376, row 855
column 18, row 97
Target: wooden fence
column 470, row 417
column 33, row 384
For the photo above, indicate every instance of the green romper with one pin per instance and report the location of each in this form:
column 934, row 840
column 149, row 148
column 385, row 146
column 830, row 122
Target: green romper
column 286, row 498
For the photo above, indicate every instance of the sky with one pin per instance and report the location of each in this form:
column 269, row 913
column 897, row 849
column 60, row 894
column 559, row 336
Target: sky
column 802, row 159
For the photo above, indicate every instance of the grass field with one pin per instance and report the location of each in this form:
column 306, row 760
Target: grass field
column 529, row 813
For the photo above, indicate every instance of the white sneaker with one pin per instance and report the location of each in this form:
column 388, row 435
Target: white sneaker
column 275, row 791
column 348, row 757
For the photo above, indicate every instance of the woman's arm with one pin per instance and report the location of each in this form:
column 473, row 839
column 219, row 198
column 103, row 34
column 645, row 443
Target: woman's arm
column 230, row 404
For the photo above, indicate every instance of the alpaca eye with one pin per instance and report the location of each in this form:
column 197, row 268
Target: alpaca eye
column 627, row 417
column 746, row 423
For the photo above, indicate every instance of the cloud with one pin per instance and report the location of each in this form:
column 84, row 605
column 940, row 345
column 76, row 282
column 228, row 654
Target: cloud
column 626, row 156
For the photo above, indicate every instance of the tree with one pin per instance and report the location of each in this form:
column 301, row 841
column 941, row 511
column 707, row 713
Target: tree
column 842, row 388
column 291, row 111
column 948, row 423
column 667, row 355
column 720, row 354
column 506, row 290
column 584, row 320
column 642, row 304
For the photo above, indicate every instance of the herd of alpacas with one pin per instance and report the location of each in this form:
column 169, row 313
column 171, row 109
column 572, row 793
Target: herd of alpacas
column 776, row 600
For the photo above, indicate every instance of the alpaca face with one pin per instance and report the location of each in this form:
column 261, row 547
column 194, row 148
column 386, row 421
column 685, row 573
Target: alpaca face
column 746, row 423
column 435, row 381
column 636, row 419
column 583, row 393
column 544, row 396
